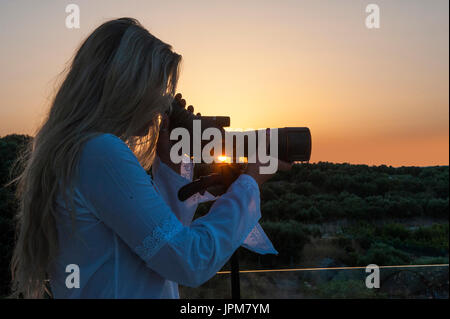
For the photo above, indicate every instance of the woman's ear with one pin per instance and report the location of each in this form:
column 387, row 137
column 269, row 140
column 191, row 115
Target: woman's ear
column 144, row 131
column 164, row 144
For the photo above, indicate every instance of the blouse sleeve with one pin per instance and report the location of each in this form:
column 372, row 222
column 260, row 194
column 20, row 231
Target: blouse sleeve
column 123, row 196
column 168, row 182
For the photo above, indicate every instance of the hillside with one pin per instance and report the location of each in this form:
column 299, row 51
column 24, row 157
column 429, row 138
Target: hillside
column 321, row 215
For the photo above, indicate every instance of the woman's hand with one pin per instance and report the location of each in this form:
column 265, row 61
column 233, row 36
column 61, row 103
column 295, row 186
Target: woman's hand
column 164, row 143
column 253, row 171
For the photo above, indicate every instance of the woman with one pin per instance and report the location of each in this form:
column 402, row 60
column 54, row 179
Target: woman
column 86, row 199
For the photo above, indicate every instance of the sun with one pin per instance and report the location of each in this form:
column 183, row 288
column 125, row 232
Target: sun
column 223, row 159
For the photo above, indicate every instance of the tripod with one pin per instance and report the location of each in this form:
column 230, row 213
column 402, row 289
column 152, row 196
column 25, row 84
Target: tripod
column 235, row 281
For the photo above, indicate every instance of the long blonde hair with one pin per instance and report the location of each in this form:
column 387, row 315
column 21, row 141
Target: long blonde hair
column 120, row 81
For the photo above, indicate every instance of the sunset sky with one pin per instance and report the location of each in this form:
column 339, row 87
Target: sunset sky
column 371, row 96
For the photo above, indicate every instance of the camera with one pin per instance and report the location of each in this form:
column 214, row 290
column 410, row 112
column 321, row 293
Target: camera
column 293, row 145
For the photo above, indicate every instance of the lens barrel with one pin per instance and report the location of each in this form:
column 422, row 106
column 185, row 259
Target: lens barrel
column 294, row 144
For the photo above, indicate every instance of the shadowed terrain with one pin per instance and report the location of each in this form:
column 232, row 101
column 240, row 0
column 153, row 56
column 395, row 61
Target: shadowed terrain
column 320, row 215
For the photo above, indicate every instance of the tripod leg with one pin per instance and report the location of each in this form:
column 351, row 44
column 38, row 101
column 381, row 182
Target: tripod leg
column 235, row 284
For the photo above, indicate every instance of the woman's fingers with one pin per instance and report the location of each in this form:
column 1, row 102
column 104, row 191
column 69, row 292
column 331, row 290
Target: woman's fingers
column 179, row 99
column 182, row 102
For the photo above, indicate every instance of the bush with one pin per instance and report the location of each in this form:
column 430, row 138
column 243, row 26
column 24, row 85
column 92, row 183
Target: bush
column 345, row 289
column 10, row 146
column 437, row 207
column 289, row 237
column 383, row 255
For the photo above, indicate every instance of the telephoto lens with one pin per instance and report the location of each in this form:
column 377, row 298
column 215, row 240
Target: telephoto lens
column 294, row 144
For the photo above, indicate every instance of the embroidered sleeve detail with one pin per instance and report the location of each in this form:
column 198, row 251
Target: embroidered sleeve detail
column 258, row 242
column 187, row 169
column 160, row 236
column 254, row 236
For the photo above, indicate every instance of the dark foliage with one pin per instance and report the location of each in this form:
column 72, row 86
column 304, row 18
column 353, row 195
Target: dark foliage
column 10, row 146
column 377, row 204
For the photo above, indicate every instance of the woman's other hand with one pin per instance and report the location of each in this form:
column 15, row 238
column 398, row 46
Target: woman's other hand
column 253, row 169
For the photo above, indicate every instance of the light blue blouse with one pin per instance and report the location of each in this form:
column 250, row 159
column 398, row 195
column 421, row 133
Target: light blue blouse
column 135, row 239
